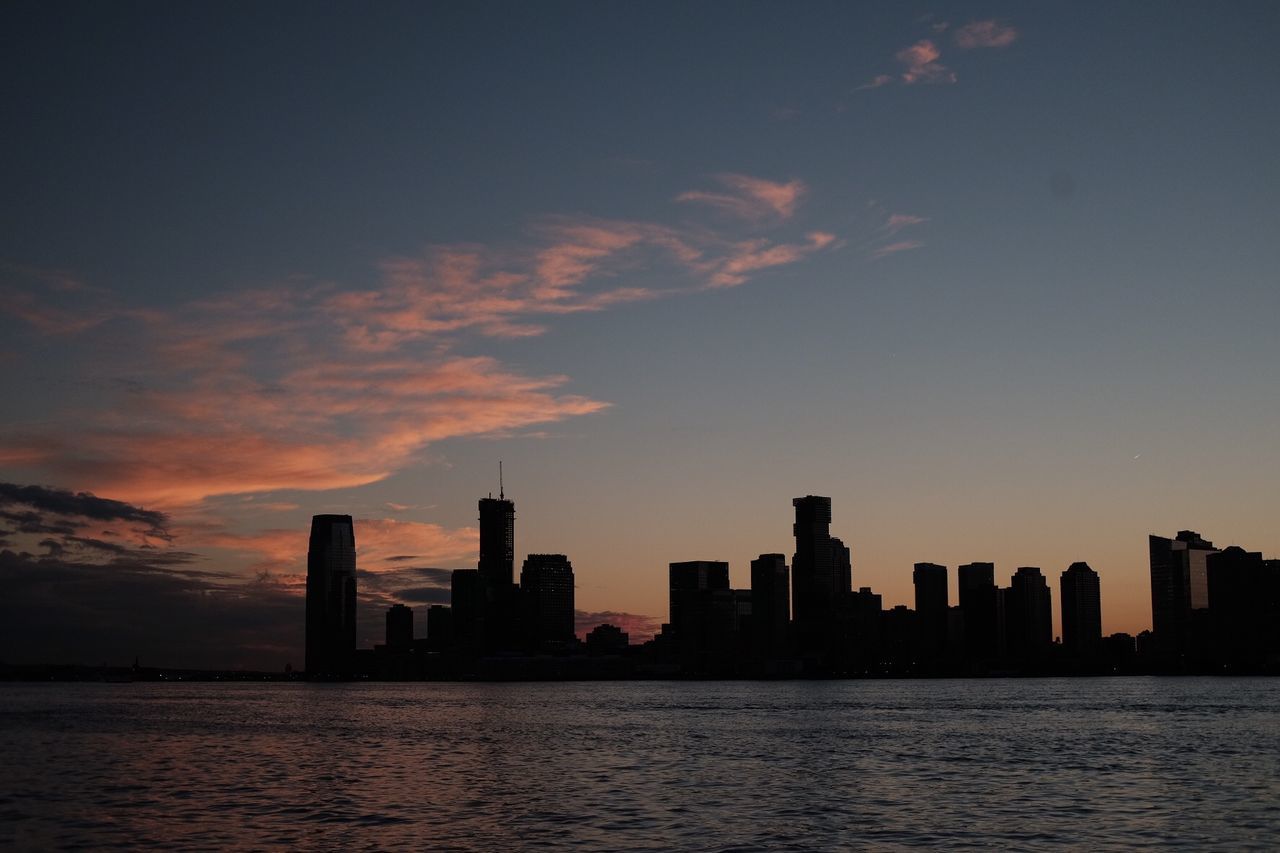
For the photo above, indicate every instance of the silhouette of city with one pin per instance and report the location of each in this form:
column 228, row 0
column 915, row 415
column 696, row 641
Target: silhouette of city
column 1213, row 611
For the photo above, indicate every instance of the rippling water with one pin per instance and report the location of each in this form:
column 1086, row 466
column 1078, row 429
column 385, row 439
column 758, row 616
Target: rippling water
column 1104, row 764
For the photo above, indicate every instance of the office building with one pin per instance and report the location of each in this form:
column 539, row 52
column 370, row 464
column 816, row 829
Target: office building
column 331, row 597
column 770, row 605
column 930, row 580
column 399, row 627
column 982, row 628
column 546, row 587
column 821, row 577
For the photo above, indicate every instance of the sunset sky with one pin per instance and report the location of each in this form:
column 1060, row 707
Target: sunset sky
column 1000, row 279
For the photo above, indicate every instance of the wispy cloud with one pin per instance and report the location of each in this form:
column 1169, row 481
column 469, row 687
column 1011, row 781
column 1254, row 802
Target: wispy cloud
column 980, row 34
column 895, row 248
column 898, row 221
column 922, row 65
column 749, row 198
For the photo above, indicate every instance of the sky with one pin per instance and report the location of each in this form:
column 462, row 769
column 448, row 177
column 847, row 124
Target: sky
column 998, row 278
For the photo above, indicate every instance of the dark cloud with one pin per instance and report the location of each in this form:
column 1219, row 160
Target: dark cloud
column 424, row 595
column 64, row 502
column 165, row 613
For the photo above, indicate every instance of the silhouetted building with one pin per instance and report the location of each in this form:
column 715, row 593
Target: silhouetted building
column 439, row 627
column 497, row 541
column 982, row 628
column 821, row 578
column 546, row 585
column 930, row 582
column 606, row 639
column 770, row 605
column 1081, row 611
column 399, row 627
column 693, row 615
column 1028, row 607
column 1243, row 615
column 331, row 597
column 898, row 644
column 1179, row 587
column 468, row 597
column 862, row 634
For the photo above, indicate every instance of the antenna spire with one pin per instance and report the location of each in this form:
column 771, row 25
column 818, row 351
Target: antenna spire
column 502, row 495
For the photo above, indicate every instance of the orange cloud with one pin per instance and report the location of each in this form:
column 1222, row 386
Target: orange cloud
column 922, row 64
column 752, row 255
column 984, row 34
column 751, row 198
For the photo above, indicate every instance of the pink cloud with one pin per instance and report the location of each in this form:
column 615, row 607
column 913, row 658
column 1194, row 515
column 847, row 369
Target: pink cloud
column 922, row 64
column 984, row 34
column 876, row 82
column 751, row 198
column 898, row 221
column 894, row 248
column 752, row 255
column 639, row 628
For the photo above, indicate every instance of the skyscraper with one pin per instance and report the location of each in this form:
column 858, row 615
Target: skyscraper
column 546, row 587
column 331, row 597
column 692, row 585
column 1028, row 615
column 1179, row 586
column 399, row 627
column 982, row 627
column 497, row 542
column 821, row 577
column 1081, row 611
column 930, row 580
column 770, row 605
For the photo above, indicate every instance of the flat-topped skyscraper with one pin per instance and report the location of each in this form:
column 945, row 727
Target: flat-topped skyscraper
column 331, row 597
column 497, row 542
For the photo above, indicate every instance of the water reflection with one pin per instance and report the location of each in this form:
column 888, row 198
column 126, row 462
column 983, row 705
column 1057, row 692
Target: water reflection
column 1109, row 763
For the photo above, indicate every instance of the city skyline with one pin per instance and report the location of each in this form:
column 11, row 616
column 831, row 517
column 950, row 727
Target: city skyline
column 997, row 280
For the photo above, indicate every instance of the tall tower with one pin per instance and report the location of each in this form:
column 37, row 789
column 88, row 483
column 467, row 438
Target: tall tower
column 982, row 627
column 770, row 605
column 1081, row 611
column 820, row 569
column 331, row 597
column 1028, row 615
column 497, row 542
column 1179, row 586
column 932, row 608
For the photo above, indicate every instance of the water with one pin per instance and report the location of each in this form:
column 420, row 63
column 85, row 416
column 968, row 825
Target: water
column 1106, row 764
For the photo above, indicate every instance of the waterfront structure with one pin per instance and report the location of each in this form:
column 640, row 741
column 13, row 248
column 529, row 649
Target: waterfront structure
column 932, row 609
column 331, row 597
column 770, row 605
column 1081, row 611
column 546, row 588
column 399, row 627
column 497, row 542
column 692, row 585
column 821, row 577
column 1179, row 591
column 978, row 604
column 1028, row 616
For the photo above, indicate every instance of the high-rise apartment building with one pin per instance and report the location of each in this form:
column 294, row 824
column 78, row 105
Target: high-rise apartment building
column 1028, row 615
column 1179, row 588
column 821, row 577
column 930, row 581
column 1081, row 611
column 770, row 605
column 978, row 604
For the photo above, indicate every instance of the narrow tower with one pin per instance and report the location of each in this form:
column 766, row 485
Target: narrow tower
column 331, row 597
